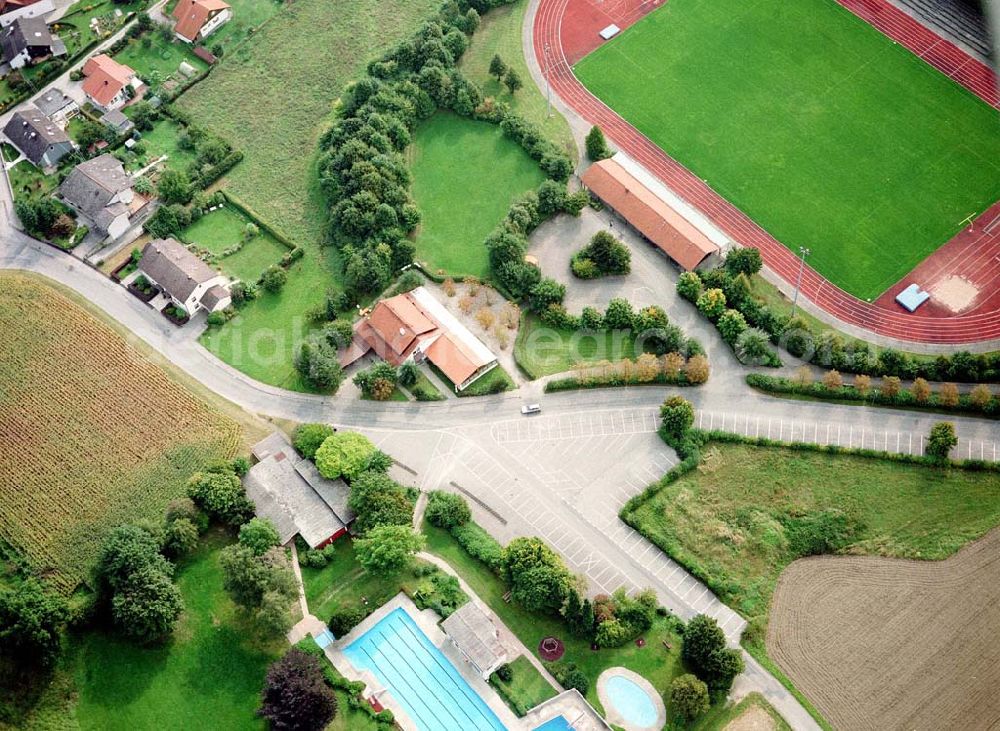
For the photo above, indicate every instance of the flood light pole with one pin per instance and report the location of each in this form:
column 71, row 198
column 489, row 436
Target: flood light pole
column 804, row 252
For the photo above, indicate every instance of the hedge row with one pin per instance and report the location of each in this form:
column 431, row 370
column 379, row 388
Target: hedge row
column 959, row 403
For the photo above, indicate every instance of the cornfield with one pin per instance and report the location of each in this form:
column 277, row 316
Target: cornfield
column 91, row 434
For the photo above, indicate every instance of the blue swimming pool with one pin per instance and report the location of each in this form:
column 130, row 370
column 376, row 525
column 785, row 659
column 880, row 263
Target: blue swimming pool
column 419, row 677
column 631, row 701
column 559, row 723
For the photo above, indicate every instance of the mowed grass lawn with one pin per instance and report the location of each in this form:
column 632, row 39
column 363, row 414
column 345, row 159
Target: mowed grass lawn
column 821, row 129
column 220, row 229
column 542, row 350
column 736, row 517
column 465, row 176
column 160, row 61
column 272, row 99
column 208, row 675
column 500, row 34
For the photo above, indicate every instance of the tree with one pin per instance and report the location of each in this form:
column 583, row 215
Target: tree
column 180, row 537
column 731, row 325
column 512, row 81
column 31, row 621
column 273, row 279
column 546, row 292
column 387, row 548
column 497, row 67
column 689, row 286
column 344, row 454
column 383, row 507
column 891, row 386
column 980, row 396
column 408, row 374
column 948, row 395
column 862, row 383
column 744, row 261
column 538, row 579
column 259, row 535
column 832, row 379
column 609, row 254
column 677, row 416
column 688, row 696
column 248, row 577
column 307, row 438
column 126, row 550
column 696, row 369
column 142, row 185
column 144, row 115
column 219, row 492
column 941, row 440
column 921, row 391
column 712, row 303
column 147, row 605
column 619, row 315
column 446, row 510
column 174, row 186
column 296, row 696
column 597, row 146
column 753, row 347
column 317, row 363
column 704, row 650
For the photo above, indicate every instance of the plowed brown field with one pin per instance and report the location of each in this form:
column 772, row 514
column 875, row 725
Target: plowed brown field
column 91, row 434
column 885, row 644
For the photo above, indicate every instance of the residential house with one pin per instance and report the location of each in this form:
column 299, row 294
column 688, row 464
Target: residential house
column 11, row 10
column 183, row 277
column 101, row 191
column 116, row 120
column 198, row 19
column 108, row 84
column 37, row 137
column 416, row 327
column 57, row 105
column 28, row 41
column 289, row 491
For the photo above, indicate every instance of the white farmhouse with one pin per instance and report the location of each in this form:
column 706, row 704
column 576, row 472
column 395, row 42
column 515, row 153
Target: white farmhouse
column 183, row 277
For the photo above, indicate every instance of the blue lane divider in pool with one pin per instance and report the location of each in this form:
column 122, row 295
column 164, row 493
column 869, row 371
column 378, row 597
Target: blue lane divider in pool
column 421, row 679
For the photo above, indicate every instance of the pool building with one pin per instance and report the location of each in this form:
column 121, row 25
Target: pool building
column 433, row 681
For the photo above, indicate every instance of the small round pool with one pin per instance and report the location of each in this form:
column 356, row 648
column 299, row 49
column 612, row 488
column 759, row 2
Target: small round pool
column 630, row 700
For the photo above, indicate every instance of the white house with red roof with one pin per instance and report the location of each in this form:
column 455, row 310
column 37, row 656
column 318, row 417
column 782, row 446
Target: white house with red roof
column 198, row 19
column 107, row 82
column 416, row 327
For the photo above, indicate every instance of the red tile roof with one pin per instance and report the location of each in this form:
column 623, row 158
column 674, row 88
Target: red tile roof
column 453, row 358
column 191, row 15
column 393, row 326
column 648, row 213
column 105, row 78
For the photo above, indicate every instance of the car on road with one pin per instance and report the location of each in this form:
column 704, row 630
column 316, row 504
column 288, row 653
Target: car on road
column 529, row 409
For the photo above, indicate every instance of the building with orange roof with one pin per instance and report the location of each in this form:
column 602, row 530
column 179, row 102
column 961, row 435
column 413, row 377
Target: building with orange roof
column 416, row 327
column 648, row 213
column 107, row 82
column 198, row 19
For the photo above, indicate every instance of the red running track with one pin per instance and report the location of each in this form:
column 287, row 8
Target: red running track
column 553, row 18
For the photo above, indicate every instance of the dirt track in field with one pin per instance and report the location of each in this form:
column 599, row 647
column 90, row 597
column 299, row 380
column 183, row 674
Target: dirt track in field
column 886, row 644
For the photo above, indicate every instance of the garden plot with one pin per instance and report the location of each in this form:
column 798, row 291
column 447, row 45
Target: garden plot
column 226, row 237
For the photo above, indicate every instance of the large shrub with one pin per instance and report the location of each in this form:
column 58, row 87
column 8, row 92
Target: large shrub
column 344, row 454
column 537, row 577
column 219, row 492
column 447, row 510
column 308, row 438
column 704, row 650
column 479, row 544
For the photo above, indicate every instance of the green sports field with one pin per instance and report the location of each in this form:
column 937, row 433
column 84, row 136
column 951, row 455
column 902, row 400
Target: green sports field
column 824, row 131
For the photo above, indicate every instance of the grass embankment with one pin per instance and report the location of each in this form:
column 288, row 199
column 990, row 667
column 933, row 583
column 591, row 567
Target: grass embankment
column 748, row 511
column 271, row 100
column 213, row 667
column 465, row 176
column 224, row 228
column 526, row 689
column 824, row 108
column 500, row 33
column 541, row 350
column 95, row 435
column 654, row 661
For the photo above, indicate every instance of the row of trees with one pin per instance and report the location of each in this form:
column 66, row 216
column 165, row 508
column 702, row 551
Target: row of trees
column 725, row 295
